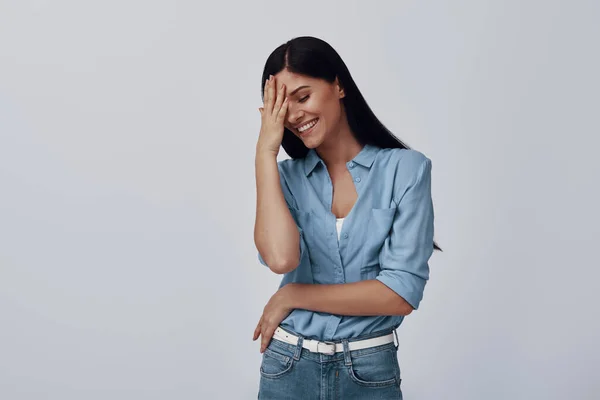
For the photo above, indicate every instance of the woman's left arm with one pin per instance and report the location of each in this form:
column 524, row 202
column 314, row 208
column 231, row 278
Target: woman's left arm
column 368, row 297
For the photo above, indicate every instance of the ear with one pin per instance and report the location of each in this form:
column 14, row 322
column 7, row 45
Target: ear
column 339, row 88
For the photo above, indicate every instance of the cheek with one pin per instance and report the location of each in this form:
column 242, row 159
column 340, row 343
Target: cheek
column 331, row 111
column 312, row 105
column 322, row 107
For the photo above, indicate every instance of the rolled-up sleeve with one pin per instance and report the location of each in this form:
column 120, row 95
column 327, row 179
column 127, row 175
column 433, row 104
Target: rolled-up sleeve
column 291, row 204
column 404, row 257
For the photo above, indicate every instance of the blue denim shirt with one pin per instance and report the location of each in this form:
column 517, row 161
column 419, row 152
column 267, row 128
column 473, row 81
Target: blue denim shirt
column 388, row 234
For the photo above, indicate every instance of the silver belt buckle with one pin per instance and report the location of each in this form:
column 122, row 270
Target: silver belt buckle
column 330, row 351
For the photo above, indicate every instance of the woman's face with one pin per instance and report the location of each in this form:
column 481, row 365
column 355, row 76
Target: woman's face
column 310, row 100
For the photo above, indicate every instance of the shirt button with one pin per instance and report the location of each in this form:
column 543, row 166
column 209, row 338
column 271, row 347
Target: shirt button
column 357, row 179
column 351, row 164
column 345, row 236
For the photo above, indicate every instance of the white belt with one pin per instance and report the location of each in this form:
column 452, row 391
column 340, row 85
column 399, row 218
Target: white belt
column 331, row 348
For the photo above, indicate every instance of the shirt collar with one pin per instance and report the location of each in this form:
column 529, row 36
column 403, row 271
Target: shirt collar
column 365, row 158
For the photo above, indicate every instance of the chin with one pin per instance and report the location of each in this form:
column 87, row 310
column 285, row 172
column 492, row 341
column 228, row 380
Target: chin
column 312, row 143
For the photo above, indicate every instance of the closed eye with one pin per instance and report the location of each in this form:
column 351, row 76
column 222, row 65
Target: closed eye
column 302, row 100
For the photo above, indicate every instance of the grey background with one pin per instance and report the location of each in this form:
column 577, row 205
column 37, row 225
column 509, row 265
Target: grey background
column 127, row 134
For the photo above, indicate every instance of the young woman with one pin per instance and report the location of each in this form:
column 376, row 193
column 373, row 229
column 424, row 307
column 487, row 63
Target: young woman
column 348, row 221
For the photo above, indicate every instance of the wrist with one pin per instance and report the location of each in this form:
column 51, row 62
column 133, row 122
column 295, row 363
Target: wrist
column 292, row 298
column 265, row 151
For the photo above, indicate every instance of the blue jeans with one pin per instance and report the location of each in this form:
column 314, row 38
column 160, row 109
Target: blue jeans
column 291, row 372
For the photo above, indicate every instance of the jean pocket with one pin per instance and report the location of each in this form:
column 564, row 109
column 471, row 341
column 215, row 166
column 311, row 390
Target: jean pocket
column 376, row 369
column 275, row 363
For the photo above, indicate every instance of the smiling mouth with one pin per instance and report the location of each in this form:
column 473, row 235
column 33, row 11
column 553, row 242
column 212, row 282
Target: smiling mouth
column 314, row 122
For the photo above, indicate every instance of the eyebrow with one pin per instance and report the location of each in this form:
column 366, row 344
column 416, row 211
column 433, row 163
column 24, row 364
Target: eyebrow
column 298, row 88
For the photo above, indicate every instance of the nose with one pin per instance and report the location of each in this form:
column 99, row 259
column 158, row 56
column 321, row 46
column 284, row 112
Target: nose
column 294, row 116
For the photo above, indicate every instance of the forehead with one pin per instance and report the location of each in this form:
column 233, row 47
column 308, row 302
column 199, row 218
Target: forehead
column 292, row 80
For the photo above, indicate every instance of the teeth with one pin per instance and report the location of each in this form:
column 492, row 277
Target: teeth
column 307, row 126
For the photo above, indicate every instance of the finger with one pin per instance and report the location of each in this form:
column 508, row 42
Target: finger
column 257, row 330
column 263, row 342
column 283, row 111
column 280, row 98
column 267, row 334
column 271, row 96
column 256, row 333
column 265, row 92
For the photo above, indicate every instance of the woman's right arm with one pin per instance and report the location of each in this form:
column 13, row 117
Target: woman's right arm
column 276, row 234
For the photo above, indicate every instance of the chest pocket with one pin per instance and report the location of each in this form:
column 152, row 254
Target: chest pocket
column 378, row 229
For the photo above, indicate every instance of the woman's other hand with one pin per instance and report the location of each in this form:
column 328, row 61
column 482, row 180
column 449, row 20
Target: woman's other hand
column 273, row 115
column 278, row 307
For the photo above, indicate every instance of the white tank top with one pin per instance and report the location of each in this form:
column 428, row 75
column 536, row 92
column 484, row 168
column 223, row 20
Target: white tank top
column 338, row 225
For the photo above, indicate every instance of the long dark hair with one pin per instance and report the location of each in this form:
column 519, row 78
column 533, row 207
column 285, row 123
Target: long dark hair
column 310, row 56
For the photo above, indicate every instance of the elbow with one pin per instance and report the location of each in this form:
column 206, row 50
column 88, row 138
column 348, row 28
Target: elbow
column 284, row 266
column 396, row 304
column 403, row 307
column 279, row 263
column 406, row 309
